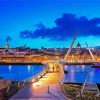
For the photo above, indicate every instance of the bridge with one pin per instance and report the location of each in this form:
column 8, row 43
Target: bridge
column 49, row 60
column 53, row 64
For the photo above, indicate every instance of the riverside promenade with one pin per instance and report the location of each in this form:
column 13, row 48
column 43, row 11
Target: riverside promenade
column 47, row 88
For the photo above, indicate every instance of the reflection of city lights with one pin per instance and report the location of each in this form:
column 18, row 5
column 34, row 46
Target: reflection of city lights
column 66, row 66
column 28, row 68
column 72, row 76
column 72, row 70
column 90, row 76
column 83, row 67
column 10, row 67
column 91, row 73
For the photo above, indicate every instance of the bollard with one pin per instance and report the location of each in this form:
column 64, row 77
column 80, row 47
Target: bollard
column 48, row 89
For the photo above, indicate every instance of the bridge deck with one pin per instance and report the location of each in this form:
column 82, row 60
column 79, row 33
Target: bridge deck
column 46, row 88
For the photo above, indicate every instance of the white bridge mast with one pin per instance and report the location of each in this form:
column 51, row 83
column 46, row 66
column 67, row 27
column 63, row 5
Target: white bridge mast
column 69, row 50
column 90, row 51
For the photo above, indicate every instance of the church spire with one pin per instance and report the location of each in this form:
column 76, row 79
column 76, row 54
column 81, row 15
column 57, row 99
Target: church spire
column 78, row 49
column 7, row 44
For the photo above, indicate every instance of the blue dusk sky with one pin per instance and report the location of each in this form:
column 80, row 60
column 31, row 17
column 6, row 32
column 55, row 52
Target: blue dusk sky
column 49, row 23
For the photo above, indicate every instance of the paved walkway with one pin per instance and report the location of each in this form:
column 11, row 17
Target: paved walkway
column 46, row 88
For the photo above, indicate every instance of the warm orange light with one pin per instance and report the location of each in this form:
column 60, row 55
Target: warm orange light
column 98, row 59
column 36, row 84
column 39, row 76
column 33, row 80
column 51, row 65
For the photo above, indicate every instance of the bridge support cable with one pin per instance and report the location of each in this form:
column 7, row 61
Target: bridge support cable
column 89, row 86
column 90, row 51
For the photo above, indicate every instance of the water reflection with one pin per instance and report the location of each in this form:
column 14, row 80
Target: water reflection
column 72, row 78
column 19, row 72
column 77, row 73
column 29, row 68
column 83, row 67
column 91, row 76
column 10, row 67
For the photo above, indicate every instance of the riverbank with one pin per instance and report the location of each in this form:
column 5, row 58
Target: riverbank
column 78, row 63
column 20, row 63
column 16, row 83
column 9, row 88
column 67, row 83
column 95, row 66
column 73, row 91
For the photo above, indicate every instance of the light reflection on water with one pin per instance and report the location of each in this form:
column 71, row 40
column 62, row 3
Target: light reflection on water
column 19, row 72
column 28, row 68
column 77, row 74
column 10, row 67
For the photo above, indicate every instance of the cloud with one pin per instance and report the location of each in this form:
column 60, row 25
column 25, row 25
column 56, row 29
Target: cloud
column 65, row 27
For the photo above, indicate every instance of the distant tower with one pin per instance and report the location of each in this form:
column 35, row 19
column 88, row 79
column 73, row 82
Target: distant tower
column 7, row 45
column 78, row 49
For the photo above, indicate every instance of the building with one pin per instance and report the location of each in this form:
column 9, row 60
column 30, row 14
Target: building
column 7, row 44
column 78, row 49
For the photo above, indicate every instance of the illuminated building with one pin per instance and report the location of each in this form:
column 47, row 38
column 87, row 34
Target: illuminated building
column 78, row 49
column 7, row 44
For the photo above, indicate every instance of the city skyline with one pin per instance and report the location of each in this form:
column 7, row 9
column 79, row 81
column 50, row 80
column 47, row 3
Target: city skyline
column 52, row 23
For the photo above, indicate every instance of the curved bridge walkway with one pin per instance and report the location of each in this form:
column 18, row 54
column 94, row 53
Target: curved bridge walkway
column 47, row 88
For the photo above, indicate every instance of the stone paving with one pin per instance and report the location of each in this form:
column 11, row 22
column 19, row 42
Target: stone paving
column 47, row 88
